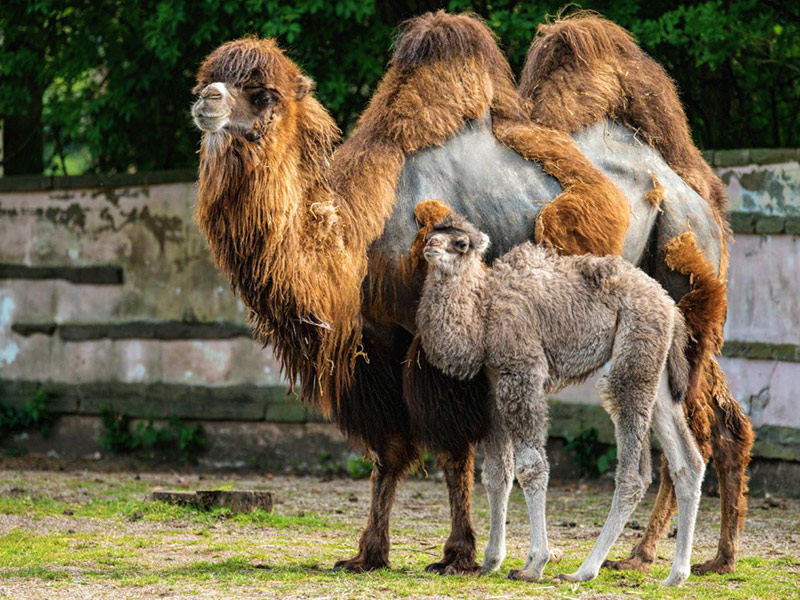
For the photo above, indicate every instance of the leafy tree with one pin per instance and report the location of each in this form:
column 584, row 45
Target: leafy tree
column 104, row 85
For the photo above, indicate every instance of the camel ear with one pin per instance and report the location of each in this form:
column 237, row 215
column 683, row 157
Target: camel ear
column 482, row 245
column 303, row 85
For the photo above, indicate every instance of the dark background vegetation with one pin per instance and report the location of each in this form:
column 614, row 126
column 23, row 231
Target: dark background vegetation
column 104, row 85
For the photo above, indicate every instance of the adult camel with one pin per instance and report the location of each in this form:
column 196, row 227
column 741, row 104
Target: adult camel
column 315, row 239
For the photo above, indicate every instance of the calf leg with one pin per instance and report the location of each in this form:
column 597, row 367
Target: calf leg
column 631, row 411
column 459, row 550
column 644, row 552
column 498, row 477
column 391, row 465
column 523, row 406
column 686, row 465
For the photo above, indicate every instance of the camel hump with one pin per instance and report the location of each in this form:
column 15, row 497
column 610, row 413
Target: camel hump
column 443, row 36
column 583, row 68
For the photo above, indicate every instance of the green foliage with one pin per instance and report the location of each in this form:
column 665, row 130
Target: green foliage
column 148, row 440
column 358, row 467
column 590, row 457
column 33, row 415
column 353, row 465
column 116, row 75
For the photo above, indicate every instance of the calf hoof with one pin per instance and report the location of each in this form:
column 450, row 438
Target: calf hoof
column 633, row 563
column 523, row 575
column 454, row 568
column 575, row 577
column 675, row 579
column 360, row 564
column 715, row 565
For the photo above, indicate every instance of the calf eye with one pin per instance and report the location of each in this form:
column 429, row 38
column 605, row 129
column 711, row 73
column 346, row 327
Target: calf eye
column 461, row 245
column 263, row 98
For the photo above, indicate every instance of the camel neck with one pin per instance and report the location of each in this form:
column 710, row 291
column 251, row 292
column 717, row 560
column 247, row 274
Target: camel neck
column 451, row 320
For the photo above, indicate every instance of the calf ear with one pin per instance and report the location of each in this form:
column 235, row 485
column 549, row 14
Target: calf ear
column 303, row 85
column 482, row 245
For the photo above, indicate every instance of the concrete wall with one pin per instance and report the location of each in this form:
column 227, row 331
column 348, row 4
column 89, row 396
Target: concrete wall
column 108, row 297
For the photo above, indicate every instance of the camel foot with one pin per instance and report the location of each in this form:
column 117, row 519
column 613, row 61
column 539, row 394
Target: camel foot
column 575, row 577
column 632, row 563
column 456, row 567
column 715, row 565
column 523, row 575
column 360, row 564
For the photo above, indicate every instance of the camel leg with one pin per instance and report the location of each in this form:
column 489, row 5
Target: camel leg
column 686, row 465
column 631, row 411
column 459, row 549
column 391, row 465
column 731, row 442
column 644, row 552
column 523, row 407
column 498, row 477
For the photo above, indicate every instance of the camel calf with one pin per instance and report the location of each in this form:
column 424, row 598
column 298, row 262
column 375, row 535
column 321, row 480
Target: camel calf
column 537, row 322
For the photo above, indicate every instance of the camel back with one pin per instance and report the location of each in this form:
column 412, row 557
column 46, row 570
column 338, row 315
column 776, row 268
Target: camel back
column 584, row 68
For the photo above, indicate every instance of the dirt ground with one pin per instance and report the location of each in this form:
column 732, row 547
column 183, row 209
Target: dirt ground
column 88, row 535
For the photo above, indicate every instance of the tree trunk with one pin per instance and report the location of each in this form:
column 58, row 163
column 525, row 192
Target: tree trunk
column 23, row 142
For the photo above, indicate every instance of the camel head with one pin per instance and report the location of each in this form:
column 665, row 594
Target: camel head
column 248, row 89
column 454, row 245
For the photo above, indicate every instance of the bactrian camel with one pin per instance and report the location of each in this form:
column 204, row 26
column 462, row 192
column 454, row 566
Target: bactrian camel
column 314, row 237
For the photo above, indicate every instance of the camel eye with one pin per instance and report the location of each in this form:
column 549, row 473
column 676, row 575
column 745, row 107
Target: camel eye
column 461, row 245
column 263, row 98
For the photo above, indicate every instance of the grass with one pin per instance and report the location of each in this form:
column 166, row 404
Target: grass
column 114, row 543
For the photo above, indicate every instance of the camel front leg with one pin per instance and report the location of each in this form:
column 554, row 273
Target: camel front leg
column 391, row 465
column 498, row 478
column 459, row 550
column 523, row 407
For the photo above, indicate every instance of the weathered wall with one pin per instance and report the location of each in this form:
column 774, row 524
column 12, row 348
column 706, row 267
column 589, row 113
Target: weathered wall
column 108, row 297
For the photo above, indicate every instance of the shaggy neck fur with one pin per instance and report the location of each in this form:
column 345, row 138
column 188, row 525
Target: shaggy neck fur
column 451, row 318
column 274, row 228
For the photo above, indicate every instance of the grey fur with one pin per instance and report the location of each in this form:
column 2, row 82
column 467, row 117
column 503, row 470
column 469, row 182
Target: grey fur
column 537, row 322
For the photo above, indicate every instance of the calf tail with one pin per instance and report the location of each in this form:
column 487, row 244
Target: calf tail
column 677, row 363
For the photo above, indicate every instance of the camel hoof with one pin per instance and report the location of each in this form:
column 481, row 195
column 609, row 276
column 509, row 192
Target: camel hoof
column 575, row 577
column 454, row 568
column 629, row 564
column 522, row 575
column 675, row 580
column 359, row 565
column 715, row 565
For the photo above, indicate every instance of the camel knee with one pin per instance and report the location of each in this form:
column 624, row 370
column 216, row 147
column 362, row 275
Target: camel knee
column 631, row 488
column 532, row 468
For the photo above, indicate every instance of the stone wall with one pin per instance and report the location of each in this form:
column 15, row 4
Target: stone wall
column 108, row 298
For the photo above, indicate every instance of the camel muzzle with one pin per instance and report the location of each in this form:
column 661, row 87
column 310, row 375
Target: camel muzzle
column 212, row 110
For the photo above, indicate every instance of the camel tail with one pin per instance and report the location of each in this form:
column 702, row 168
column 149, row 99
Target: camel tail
column 583, row 68
column 677, row 362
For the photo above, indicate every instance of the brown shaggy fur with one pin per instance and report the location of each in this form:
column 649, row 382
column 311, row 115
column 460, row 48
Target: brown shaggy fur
column 583, row 68
column 276, row 233
column 655, row 196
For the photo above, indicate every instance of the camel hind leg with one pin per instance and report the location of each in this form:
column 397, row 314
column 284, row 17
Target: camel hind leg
column 686, row 466
column 731, row 441
column 629, row 392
